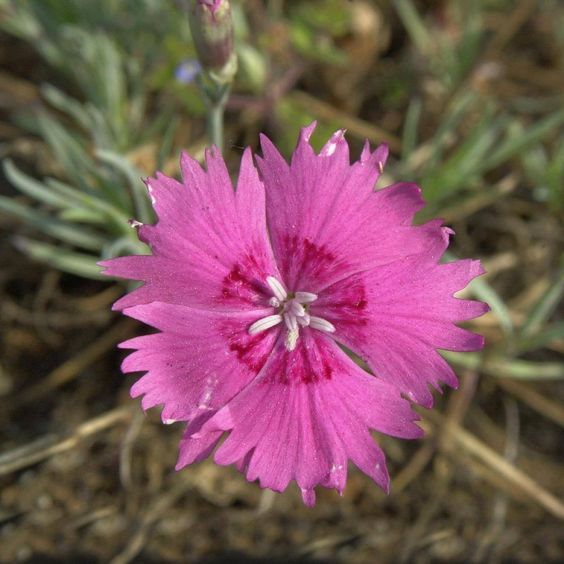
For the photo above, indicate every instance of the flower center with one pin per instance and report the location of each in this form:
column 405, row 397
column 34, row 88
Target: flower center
column 293, row 311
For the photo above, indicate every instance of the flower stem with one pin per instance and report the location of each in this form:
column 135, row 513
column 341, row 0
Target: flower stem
column 211, row 26
column 216, row 110
column 215, row 96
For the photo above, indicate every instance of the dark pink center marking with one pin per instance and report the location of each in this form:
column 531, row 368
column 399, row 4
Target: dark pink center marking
column 245, row 283
column 251, row 350
column 346, row 302
column 343, row 303
column 309, row 364
column 304, row 262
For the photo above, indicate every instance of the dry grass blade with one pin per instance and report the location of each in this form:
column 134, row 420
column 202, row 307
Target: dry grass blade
column 512, row 24
column 15, row 92
column 500, row 505
column 71, row 368
column 465, row 208
column 530, row 396
column 457, row 408
column 150, row 517
column 414, row 467
column 51, row 445
column 456, row 411
column 525, row 484
column 356, row 126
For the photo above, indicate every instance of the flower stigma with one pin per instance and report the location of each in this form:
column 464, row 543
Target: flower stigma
column 293, row 311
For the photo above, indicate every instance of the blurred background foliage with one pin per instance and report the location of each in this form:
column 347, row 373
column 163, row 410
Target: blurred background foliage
column 95, row 96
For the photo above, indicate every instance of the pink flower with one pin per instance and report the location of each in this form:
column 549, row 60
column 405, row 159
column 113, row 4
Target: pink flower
column 253, row 291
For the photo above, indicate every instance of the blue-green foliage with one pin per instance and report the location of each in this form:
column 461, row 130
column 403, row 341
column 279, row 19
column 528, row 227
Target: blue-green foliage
column 116, row 60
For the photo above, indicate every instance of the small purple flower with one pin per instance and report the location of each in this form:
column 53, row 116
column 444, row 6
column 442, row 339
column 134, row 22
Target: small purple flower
column 252, row 292
column 187, row 70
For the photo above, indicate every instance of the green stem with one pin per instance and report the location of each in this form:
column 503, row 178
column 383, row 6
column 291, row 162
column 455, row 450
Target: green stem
column 215, row 96
column 215, row 123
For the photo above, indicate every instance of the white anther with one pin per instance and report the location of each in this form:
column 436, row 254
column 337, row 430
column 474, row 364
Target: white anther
column 321, row 324
column 277, row 288
column 292, row 339
column 264, row 324
column 304, row 320
column 291, row 322
column 305, row 297
column 297, row 309
column 380, row 167
column 293, row 311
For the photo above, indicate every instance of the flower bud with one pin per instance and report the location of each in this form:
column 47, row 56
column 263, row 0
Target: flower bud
column 211, row 25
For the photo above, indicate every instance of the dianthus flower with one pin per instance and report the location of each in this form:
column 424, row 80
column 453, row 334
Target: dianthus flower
column 257, row 294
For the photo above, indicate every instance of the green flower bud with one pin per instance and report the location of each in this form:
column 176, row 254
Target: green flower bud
column 211, row 25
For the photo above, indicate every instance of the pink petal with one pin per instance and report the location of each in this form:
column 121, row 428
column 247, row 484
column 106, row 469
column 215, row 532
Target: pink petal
column 306, row 414
column 193, row 449
column 198, row 362
column 210, row 246
column 303, row 414
column 396, row 316
column 326, row 221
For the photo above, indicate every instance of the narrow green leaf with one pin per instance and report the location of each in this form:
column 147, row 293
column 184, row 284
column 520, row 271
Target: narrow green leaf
column 66, row 104
column 33, row 188
column 66, row 148
column 75, row 235
column 143, row 208
column 518, row 143
column 457, row 110
column 504, row 368
column 98, row 206
column 467, row 160
column 125, row 246
column 75, row 263
column 83, row 215
column 555, row 177
column 544, row 307
column 544, row 338
column 414, row 25
column 167, row 141
column 409, row 138
column 485, row 292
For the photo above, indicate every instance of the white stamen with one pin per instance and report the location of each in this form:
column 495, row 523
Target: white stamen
column 277, row 288
column 305, row 297
column 292, row 339
column 293, row 311
column 264, row 324
column 321, row 324
column 304, row 320
column 380, row 167
column 291, row 322
column 169, row 421
column 135, row 224
column 297, row 309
